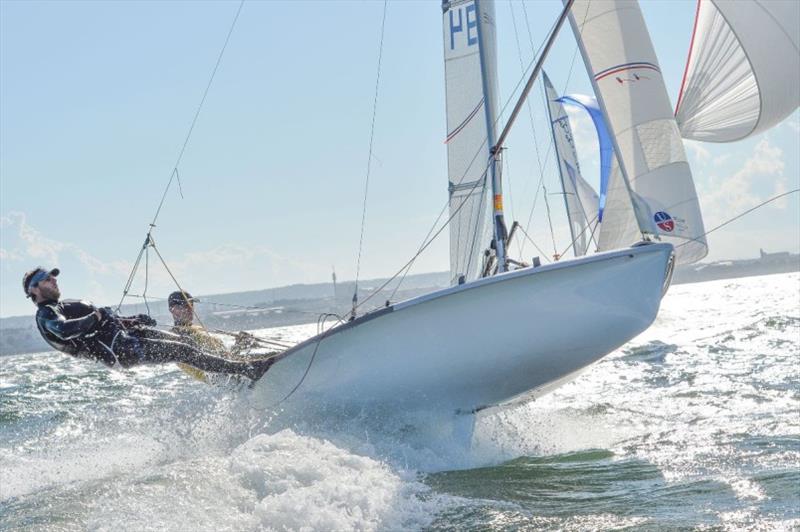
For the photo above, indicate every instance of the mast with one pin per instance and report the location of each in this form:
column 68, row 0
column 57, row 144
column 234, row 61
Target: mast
column 500, row 233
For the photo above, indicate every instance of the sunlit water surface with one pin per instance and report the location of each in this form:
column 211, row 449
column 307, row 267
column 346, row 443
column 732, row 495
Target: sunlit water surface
column 694, row 424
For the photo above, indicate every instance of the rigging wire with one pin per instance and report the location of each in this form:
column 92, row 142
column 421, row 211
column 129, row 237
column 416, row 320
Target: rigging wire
column 528, row 103
column 146, row 277
column 407, row 267
column 566, row 84
column 424, row 246
column 369, row 156
column 585, row 228
column 543, row 254
column 175, row 174
column 550, row 223
column 748, row 211
column 194, row 312
column 132, row 275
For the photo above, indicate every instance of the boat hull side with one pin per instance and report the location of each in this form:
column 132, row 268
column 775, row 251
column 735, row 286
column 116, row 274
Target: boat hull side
column 483, row 344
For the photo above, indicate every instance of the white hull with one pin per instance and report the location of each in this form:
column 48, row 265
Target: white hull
column 481, row 344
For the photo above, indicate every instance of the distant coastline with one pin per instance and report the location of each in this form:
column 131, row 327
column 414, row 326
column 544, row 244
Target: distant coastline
column 304, row 303
column 765, row 264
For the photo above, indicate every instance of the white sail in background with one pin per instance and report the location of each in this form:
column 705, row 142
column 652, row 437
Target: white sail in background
column 580, row 198
column 619, row 56
column 467, row 150
column 743, row 72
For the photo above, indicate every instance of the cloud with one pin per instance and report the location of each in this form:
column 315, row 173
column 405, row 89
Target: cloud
column 760, row 177
column 33, row 246
column 720, row 160
column 225, row 268
column 698, row 151
column 9, row 255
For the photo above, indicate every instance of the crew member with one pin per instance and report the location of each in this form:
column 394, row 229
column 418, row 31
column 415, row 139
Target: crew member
column 181, row 306
column 80, row 329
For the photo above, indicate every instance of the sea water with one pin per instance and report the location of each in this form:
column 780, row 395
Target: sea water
column 693, row 424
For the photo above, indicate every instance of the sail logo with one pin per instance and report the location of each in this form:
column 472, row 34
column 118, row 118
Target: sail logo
column 619, row 69
column 467, row 23
column 636, row 77
column 664, row 221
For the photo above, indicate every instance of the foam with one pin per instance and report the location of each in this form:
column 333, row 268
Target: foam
column 58, row 466
column 304, row 483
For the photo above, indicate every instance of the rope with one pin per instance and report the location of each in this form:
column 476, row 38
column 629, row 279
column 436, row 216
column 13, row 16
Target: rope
column 258, row 339
column 369, row 156
column 321, row 336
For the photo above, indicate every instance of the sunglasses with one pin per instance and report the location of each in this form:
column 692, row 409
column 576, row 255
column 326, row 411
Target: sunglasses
column 40, row 277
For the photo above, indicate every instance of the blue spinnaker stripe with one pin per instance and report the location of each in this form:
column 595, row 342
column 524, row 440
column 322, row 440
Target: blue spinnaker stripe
column 589, row 104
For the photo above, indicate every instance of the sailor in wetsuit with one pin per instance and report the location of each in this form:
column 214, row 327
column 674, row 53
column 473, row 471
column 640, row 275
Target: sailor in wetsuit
column 80, row 329
column 181, row 306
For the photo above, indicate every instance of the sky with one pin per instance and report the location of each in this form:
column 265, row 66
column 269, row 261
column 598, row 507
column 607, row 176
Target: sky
column 96, row 99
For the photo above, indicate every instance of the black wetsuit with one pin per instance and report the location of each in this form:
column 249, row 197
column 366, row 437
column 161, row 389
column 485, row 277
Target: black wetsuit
column 72, row 327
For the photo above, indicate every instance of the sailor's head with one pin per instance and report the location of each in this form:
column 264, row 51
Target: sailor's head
column 181, row 307
column 41, row 285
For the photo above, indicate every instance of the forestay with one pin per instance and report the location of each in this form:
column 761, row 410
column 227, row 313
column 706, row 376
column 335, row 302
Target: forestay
column 467, row 125
column 652, row 166
column 581, row 200
column 743, row 72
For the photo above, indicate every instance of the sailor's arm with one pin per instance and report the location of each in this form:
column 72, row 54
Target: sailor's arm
column 59, row 326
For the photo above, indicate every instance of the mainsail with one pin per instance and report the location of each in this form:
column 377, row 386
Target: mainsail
column 743, row 72
column 581, row 200
column 471, row 111
column 651, row 162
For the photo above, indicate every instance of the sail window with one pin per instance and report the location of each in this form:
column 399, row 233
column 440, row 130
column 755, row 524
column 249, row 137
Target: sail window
column 661, row 143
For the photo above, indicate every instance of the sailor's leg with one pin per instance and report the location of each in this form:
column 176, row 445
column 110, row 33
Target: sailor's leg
column 152, row 351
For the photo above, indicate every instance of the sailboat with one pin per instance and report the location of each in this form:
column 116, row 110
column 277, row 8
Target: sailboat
column 505, row 330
